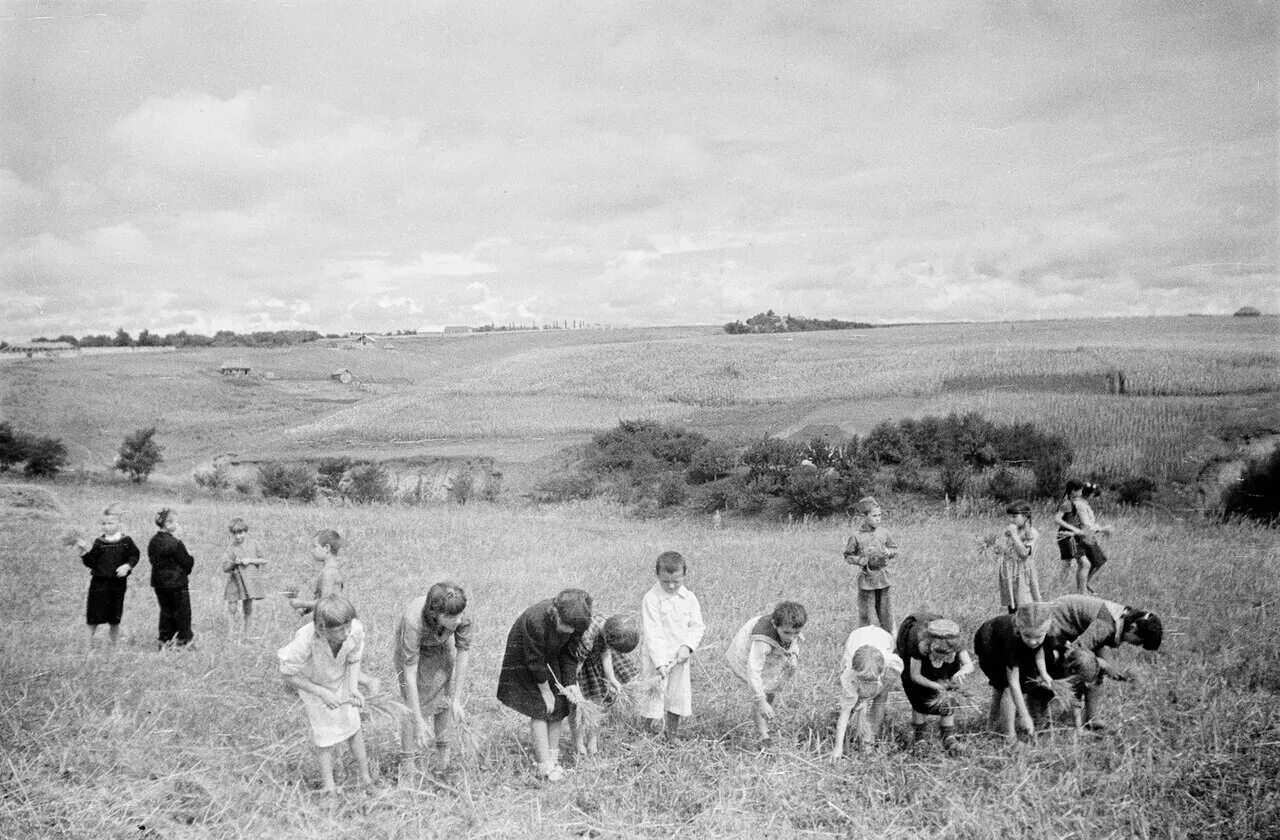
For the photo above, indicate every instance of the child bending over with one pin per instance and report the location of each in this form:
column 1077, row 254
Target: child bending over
column 764, row 654
column 322, row 664
column 606, row 668
column 867, row 665
column 936, row 663
column 1011, row 654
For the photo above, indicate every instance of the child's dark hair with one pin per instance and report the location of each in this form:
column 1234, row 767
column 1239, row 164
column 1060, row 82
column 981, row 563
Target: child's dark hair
column 573, row 606
column 1073, row 484
column 1020, row 506
column 238, row 526
column 622, row 633
column 444, row 598
column 1146, row 624
column 333, row 611
column 330, row 539
column 789, row 614
column 670, row 562
column 163, row 517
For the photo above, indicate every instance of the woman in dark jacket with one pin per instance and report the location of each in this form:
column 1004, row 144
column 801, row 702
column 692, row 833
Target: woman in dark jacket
column 170, row 566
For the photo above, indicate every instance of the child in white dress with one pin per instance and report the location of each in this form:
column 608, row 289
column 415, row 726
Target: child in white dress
column 322, row 664
column 671, row 629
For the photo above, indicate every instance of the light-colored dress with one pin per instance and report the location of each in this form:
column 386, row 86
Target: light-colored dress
column 668, row 621
column 1019, row 581
column 757, row 656
column 431, row 654
column 310, row 656
column 860, row 708
column 244, row 583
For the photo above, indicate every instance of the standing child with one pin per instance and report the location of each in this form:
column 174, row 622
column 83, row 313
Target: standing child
column 322, row 664
column 243, row 564
column 110, row 560
column 606, row 668
column 1019, row 581
column 671, row 629
column 1092, row 543
column 431, row 655
column 867, row 664
column 936, row 663
column 539, row 677
column 870, row 549
column 328, row 580
column 1078, row 535
column 1011, row 653
column 171, row 566
column 764, row 654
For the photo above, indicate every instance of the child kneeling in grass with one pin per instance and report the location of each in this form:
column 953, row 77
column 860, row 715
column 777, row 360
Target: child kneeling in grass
column 322, row 664
column 763, row 655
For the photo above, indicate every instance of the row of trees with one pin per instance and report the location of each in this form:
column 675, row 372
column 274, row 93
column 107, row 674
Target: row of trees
column 768, row 322
column 222, row 338
column 45, row 457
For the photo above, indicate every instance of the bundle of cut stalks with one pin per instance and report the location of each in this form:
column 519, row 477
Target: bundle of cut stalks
column 641, row 690
column 385, row 704
column 589, row 715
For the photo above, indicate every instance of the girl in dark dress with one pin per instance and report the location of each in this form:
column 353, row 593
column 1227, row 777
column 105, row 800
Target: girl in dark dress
column 936, row 661
column 171, row 565
column 110, row 560
column 539, row 676
column 1011, row 653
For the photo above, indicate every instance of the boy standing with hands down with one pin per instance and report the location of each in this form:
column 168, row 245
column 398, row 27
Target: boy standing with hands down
column 671, row 629
column 870, row 549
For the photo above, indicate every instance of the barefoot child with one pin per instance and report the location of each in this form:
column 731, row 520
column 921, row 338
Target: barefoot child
column 763, row 655
column 323, row 664
column 171, row 566
column 671, row 629
column 539, row 677
column 1078, row 532
column 1011, row 654
column 867, row 665
column 606, row 668
column 242, row 564
column 1019, row 581
column 870, row 549
column 936, row 663
column 110, row 560
column 328, row 580
column 431, row 655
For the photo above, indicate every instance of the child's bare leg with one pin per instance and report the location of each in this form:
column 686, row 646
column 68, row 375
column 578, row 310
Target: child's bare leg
column 231, row 618
column 671, row 725
column 875, row 719
column 440, row 725
column 593, row 742
column 248, row 615
column 539, row 736
column 762, row 725
column 1007, row 716
column 93, row 633
column 947, row 733
column 361, row 756
column 326, row 770
column 1082, row 575
column 919, row 725
column 578, row 734
column 113, row 633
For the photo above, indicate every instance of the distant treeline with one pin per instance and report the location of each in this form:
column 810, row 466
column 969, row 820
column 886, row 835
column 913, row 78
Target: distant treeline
column 222, row 338
column 768, row 322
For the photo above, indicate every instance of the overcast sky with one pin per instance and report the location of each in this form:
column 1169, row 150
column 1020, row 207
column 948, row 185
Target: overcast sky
column 390, row 165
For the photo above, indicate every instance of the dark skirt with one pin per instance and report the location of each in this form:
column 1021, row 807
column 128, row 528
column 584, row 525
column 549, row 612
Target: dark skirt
column 992, row 643
column 1093, row 551
column 1070, row 547
column 106, row 600
column 517, row 689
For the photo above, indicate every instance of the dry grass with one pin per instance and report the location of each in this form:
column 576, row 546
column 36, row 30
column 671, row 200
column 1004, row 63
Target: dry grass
column 205, row 743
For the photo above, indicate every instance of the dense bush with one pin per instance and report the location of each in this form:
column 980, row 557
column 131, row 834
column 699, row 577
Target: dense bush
column 287, row 481
column 565, row 487
column 367, row 483
column 1257, row 494
column 45, row 457
column 214, row 477
column 13, row 446
column 643, row 446
column 329, row 474
column 714, row 461
column 1133, row 491
column 139, row 454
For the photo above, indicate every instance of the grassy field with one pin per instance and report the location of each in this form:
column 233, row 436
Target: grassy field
column 205, row 743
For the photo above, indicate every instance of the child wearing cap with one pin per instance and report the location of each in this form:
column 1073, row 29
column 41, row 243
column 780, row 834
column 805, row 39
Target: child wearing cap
column 1011, row 653
column 867, row 664
column 1082, row 626
column 1019, row 581
column 936, row 662
column 870, row 549
column 606, row 668
column 764, row 654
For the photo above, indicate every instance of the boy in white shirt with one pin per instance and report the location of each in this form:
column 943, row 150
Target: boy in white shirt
column 671, row 628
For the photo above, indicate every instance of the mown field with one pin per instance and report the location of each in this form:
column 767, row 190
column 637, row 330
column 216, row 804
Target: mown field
column 205, row 743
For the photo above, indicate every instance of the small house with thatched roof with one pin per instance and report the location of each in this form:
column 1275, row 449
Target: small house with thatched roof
column 343, row 375
column 234, row 367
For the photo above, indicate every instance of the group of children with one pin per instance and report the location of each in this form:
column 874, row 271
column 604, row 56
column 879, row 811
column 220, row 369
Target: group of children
column 564, row 662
